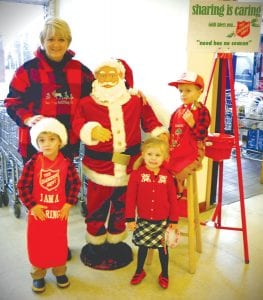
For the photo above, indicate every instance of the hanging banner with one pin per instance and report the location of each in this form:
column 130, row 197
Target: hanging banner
column 221, row 26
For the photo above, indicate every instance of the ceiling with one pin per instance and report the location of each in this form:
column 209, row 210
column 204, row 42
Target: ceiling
column 37, row 2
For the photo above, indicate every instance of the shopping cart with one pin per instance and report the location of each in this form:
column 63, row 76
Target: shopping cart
column 4, row 200
column 84, row 181
column 11, row 162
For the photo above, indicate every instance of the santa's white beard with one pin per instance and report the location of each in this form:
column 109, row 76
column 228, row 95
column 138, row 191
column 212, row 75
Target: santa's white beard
column 111, row 94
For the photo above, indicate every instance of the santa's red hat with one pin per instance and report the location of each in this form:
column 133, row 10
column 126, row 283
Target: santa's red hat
column 48, row 125
column 128, row 73
column 190, row 78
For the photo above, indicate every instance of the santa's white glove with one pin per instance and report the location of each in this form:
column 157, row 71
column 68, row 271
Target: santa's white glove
column 33, row 120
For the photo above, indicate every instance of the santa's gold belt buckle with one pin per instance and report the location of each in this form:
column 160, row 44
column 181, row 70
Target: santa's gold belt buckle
column 120, row 158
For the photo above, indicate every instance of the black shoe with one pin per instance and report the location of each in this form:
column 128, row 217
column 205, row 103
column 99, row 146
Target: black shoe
column 62, row 281
column 69, row 255
column 39, row 285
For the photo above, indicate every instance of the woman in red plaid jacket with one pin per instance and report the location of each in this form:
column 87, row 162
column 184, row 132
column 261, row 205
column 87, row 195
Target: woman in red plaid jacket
column 50, row 85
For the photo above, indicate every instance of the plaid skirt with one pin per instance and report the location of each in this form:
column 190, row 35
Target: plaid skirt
column 148, row 234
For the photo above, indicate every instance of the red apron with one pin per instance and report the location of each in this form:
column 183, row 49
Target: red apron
column 47, row 240
column 183, row 146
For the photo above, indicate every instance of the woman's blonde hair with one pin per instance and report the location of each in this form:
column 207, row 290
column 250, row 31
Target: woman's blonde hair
column 54, row 26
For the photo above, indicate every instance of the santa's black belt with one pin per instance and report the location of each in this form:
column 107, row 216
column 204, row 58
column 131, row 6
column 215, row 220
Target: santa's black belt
column 117, row 157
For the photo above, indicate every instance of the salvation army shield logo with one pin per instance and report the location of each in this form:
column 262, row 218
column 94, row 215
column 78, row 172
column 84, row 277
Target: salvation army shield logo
column 243, row 28
column 49, row 179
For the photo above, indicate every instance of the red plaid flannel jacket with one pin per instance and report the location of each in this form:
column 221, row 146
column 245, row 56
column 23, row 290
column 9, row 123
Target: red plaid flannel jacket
column 43, row 87
column 25, row 183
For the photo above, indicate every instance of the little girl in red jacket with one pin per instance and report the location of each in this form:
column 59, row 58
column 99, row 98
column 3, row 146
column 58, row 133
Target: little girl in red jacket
column 48, row 187
column 151, row 207
column 188, row 129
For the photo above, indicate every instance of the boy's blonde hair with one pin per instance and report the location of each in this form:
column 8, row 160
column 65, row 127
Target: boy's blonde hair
column 158, row 143
column 54, row 26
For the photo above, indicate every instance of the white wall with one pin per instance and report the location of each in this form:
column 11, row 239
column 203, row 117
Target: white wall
column 149, row 34
column 14, row 20
column 16, row 31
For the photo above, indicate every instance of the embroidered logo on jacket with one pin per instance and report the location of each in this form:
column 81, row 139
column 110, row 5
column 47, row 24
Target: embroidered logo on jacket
column 162, row 179
column 146, row 178
column 49, row 179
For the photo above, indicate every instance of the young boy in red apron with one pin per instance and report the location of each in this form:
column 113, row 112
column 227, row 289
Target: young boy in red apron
column 48, row 186
column 188, row 129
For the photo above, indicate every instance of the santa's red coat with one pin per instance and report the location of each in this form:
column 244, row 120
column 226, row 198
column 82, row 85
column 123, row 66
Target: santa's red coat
column 125, row 119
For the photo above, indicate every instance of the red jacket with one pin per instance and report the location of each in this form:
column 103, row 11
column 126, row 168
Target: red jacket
column 26, row 187
column 42, row 87
column 151, row 197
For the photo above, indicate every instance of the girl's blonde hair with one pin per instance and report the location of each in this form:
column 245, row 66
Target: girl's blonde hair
column 156, row 142
column 54, row 26
column 148, row 143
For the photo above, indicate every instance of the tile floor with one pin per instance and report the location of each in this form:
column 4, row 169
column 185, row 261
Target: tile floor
column 251, row 179
column 221, row 272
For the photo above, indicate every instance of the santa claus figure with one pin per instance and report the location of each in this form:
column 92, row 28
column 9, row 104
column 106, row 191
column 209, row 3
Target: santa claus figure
column 109, row 122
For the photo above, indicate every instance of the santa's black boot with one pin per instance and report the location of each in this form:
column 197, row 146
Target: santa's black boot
column 93, row 256
column 106, row 256
column 119, row 255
